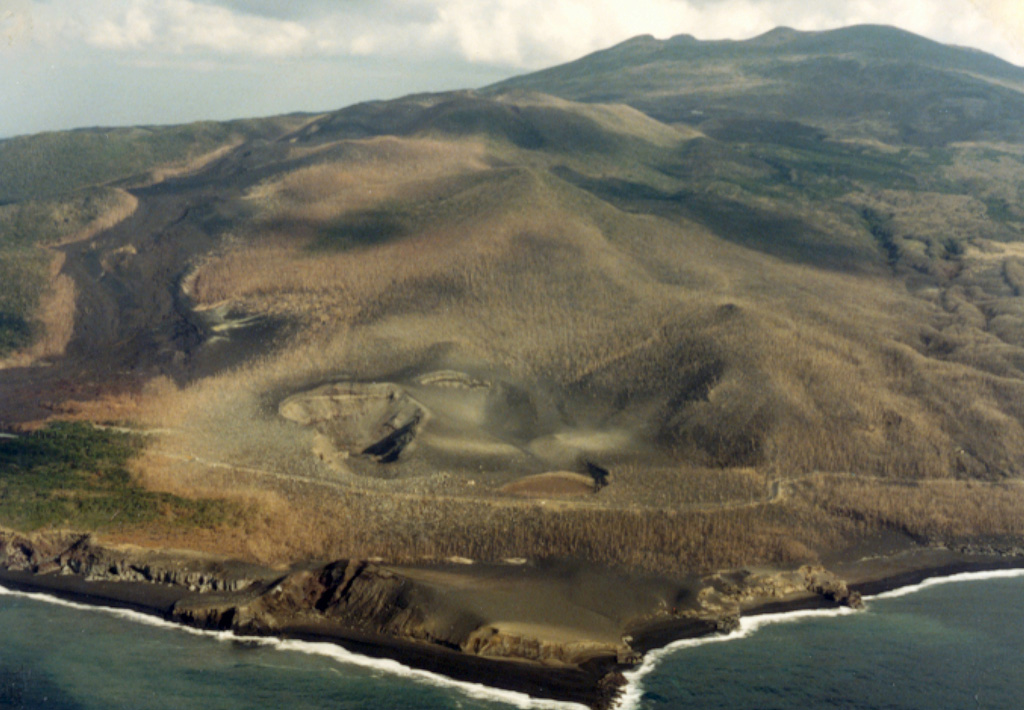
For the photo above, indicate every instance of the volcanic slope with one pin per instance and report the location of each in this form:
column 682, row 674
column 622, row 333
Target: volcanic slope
column 874, row 83
column 763, row 326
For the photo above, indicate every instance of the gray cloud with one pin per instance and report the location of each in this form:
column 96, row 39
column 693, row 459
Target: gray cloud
column 65, row 60
column 314, row 9
column 523, row 33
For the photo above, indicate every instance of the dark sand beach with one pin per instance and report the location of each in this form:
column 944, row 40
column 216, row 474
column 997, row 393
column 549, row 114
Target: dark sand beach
column 555, row 630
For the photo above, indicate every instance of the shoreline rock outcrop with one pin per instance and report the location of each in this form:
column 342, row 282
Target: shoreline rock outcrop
column 407, row 613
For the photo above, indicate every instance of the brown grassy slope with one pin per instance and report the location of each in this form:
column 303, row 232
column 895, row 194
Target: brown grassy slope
column 655, row 300
column 723, row 356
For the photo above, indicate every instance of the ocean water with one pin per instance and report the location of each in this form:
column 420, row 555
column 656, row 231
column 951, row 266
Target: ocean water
column 958, row 644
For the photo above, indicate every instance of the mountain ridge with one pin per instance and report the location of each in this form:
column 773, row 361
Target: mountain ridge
column 480, row 288
column 831, row 79
column 688, row 321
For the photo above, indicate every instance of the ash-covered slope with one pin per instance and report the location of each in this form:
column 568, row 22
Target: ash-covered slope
column 631, row 292
column 767, row 283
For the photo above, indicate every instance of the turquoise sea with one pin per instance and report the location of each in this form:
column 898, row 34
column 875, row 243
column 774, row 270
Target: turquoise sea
column 955, row 644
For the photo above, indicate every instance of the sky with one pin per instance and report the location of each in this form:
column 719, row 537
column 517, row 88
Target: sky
column 79, row 63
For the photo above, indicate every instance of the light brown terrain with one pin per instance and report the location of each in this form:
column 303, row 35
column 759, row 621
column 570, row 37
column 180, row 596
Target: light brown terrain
column 687, row 332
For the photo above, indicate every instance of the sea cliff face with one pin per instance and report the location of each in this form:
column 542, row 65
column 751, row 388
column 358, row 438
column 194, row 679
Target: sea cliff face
column 69, row 553
column 458, row 613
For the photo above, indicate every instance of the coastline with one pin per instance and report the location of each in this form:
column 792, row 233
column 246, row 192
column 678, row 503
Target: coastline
column 867, row 578
column 603, row 680
column 562, row 685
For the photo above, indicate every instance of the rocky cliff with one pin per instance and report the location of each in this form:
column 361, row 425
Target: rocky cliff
column 374, row 604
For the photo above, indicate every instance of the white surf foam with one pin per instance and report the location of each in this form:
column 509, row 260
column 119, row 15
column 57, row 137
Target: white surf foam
column 137, row 617
column 330, row 650
column 935, row 581
column 391, row 667
column 630, row 699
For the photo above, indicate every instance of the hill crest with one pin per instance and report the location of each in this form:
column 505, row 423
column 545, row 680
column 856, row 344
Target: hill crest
column 743, row 295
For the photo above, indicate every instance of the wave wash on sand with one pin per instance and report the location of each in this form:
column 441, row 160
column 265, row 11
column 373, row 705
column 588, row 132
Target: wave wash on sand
column 633, row 694
column 633, row 691
column 329, row 650
column 935, row 581
column 630, row 699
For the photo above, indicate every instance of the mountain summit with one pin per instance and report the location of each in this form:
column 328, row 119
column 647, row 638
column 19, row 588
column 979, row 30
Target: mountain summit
column 722, row 302
column 865, row 81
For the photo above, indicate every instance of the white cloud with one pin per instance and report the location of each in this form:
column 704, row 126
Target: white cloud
column 1007, row 17
column 182, row 26
column 531, row 33
column 534, row 33
column 516, row 33
column 537, row 32
column 15, row 22
column 132, row 30
column 66, row 63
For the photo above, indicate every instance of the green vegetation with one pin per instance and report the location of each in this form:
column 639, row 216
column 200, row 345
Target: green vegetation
column 56, row 185
column 882, row 233
column 47, row 165
column 51, row 164
column 74, row 475
column 830, row 169
column 25, row 228
column 22, row 281
column 1001, row 210
column 861, row 81
column 42, row 222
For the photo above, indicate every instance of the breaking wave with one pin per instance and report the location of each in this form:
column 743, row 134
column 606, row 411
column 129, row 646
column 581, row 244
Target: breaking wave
column 329, row 650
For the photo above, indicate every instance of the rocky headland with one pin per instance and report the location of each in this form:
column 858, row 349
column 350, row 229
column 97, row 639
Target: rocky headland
column 569, row 635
